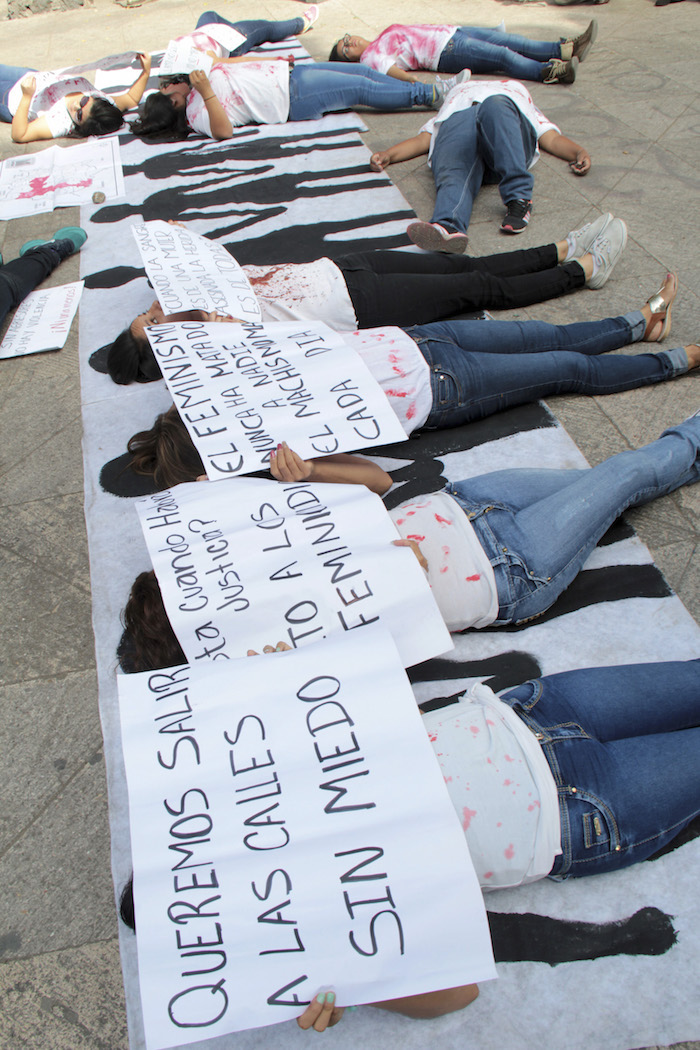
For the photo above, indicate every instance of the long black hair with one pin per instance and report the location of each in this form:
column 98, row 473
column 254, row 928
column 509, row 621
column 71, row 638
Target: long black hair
column 131, row 360
column 160, row 121
column 104, row 118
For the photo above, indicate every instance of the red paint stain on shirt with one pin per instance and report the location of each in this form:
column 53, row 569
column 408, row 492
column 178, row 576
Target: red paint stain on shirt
column 474, row 729
column 507, row 783
column 411, row 411
column 396, row 393
column 473, row 579
column 442, row 521
column 488, row 874
column 533, row 805
column 416, row 537
column 467, row 815
column 509, row 853
column 508, row 758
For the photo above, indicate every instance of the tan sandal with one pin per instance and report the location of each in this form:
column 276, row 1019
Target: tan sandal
column 661, row 310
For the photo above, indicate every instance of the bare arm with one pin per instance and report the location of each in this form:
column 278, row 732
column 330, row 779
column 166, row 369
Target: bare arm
column 342, row 469
column 221, row 126
column 406, row 150
column 402, row 74
column 23, row 129
column 133, row 96
column 559, row 146
column 322, row 1013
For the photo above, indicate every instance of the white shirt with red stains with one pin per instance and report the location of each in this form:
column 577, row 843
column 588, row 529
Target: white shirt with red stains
column 408, row 47
column 501, row 786
column 466, row 95
column 49, row 99
column 314, row 291
column 250, row 93
column 402, row 372
column 459, row 572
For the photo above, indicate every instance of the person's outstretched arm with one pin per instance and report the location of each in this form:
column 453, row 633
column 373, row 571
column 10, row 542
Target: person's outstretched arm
column 402, row 74
column 133, row 96
column 341, row 469
column 559, row 146
column 406, row 150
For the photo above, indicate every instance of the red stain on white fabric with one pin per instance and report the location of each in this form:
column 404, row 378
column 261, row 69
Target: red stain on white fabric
column 442, row 521
column 467, row 815
column 473, row 579
column 509, row 852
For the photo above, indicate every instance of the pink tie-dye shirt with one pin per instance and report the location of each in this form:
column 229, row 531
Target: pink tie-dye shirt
column 408, row 47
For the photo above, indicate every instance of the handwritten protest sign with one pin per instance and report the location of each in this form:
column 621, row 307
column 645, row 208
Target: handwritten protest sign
column 190, row 272
column 240, row 563
column 291, row 831
column 241, row 389
column 181, row 56
column 42, row 321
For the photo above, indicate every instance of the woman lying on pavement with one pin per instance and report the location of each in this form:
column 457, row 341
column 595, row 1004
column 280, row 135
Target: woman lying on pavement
column 611, row 788
column 369, row 289
column 456, row 372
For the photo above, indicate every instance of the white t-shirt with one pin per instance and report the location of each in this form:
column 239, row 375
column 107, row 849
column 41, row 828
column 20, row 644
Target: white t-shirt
column 201, row 40
column 501, row 786
column 250, row 93
column 303, row 291
column 408, row 47
column 48, row 100
column 400, row 369
column 459, row 572
column 465, row 95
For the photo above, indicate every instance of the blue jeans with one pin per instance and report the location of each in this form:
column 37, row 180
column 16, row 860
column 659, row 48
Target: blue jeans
column 538, row 526
column 326, row 87
column 623, row 746
column 491, row 51
column 489, row 142
column 481, row 367
column 256, row 31
column 9, row 75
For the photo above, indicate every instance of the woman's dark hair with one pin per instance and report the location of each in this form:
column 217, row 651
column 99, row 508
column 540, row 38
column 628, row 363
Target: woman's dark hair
column 166, row 452
column 160, row 121
column 104, row 118
column 148, row 642
column 126, row 905
column 131, row 360
column 336, row 54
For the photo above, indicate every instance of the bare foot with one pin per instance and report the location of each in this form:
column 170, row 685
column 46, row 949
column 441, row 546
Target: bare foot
column 657, row 310
column 693, row 352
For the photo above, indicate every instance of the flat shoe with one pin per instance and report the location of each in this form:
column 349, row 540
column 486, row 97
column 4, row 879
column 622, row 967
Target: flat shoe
column 661, row 311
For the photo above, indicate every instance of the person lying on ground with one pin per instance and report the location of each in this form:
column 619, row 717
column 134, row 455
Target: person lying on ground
column 37, row 259
column 401, row 49
column 488, row 131
column 369, row 289
column 263, row 92
column 52, row 105
column 498, row 548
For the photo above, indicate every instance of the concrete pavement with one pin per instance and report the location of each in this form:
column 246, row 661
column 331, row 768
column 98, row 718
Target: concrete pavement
column 635, row 105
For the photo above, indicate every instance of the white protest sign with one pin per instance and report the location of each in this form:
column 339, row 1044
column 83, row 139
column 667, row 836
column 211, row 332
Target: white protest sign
column 42, row 321
column 190, row 272
column 181, row 56
column 240, row 563
column 291, row 831
column 224, row 34
column 243, row 388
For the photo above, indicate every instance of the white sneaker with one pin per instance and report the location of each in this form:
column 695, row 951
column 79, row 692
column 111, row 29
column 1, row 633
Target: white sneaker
column 442, row 88
column 606, row 250
column 580, row 241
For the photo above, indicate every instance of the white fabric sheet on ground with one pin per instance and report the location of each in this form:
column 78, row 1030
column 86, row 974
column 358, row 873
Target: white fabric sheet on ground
column 619, row 1001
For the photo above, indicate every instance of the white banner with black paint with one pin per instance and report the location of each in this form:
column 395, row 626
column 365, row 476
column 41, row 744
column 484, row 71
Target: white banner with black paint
column 190, row 272
column 242, row 563
column 291, row 832
column 243, row 388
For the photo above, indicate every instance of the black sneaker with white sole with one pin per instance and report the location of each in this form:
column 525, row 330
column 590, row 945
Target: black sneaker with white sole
column 517, row 216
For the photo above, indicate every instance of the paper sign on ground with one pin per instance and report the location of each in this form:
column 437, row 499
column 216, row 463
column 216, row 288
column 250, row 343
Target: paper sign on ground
column 42, row 321
column 190, row 272
column 291, row 831
column 242, row 389
column 58, row 177
column 241, row 563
